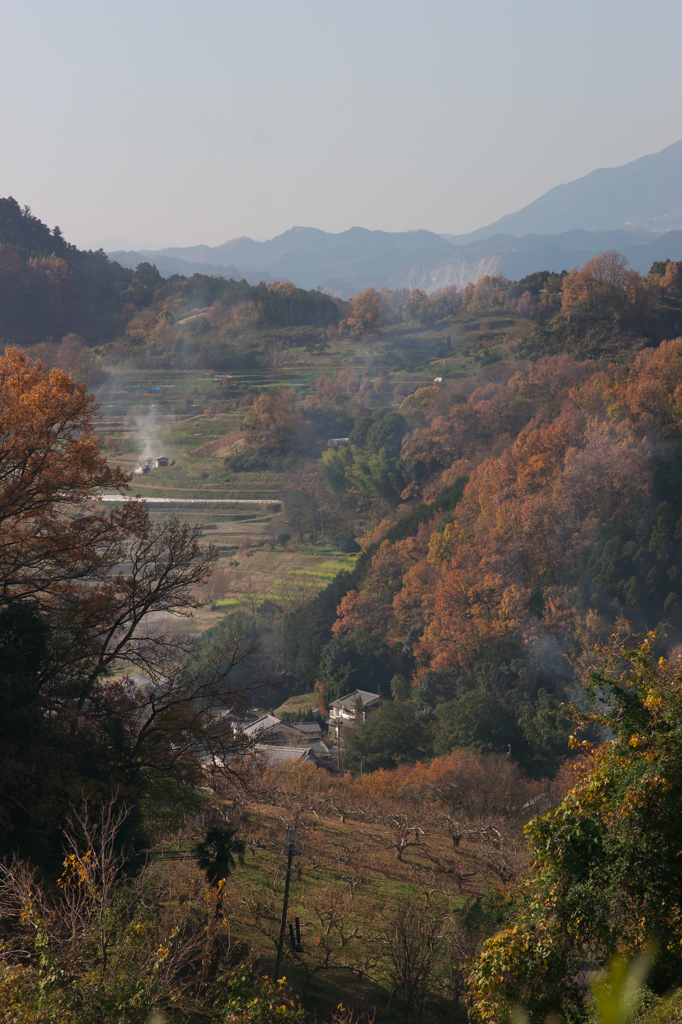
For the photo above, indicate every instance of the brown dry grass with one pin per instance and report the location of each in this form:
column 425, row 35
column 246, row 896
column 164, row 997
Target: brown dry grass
column 371, row 848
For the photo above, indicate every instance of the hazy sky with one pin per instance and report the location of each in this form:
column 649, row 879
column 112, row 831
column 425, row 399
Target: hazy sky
column 197, row 122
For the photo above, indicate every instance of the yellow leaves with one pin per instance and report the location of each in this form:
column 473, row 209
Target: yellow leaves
column 639, row 741
column 77, row 870
column 520, row 387
column 27, row 910
column 513, row 603
column 662, row 783
column 652, row 701
column 442, row 546
column 576, row 744
column 640, row 795
column 415, row 405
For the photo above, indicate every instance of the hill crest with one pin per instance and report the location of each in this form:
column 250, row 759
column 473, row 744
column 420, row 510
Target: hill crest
column 645, row 194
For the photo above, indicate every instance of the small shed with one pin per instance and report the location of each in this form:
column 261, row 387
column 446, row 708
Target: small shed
column 162, row 461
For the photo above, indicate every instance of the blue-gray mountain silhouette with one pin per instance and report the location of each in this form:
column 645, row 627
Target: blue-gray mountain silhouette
column 645, row 194
column 636, row 209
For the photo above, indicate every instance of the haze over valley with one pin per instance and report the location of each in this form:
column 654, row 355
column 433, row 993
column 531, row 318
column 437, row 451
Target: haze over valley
column 636, row 209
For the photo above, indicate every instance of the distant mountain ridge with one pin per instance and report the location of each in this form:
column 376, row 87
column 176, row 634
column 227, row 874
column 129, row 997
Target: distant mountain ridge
column 636, row 208
column 344, row 276
column 308, row 256
column 645, row 194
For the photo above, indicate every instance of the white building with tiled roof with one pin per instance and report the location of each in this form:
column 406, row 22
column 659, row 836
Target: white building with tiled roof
column 354, row 707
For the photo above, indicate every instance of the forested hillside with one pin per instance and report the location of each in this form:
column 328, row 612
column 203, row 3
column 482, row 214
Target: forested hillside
column 49, row 288
column 468, row 504
column 557, row 484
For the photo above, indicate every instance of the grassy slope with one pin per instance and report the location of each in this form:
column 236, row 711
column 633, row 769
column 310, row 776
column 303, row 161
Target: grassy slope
column 298, row 704
column 349, row 874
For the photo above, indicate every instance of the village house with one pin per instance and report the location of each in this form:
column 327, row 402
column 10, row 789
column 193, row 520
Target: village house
column 238, row 720
column 309, row 731
column 354, row 707
column 276, row 757
column 270, row 731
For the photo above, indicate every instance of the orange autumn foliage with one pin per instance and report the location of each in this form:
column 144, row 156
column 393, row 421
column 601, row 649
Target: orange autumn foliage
column 366, row 311
column 373, row 536
column 606, row 282
column 61, row 550
column 534, row 506
column 50, row 463
column 465, row 785
column 271, row 423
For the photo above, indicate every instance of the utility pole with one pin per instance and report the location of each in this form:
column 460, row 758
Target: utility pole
column 338, row 743
column 290, row 851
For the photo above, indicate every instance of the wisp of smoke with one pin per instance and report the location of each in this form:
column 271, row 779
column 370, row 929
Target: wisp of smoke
column 147, row 430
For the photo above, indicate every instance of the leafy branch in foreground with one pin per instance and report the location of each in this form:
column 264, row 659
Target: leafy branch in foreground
column 104, row 946
column 606, row 873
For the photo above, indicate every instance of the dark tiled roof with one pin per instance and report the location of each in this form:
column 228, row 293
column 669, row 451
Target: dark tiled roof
column 277, row 756
column 350, row 701
column 309, row 728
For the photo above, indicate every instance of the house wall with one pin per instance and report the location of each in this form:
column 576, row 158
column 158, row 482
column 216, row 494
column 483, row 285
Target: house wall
column 349, row 715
